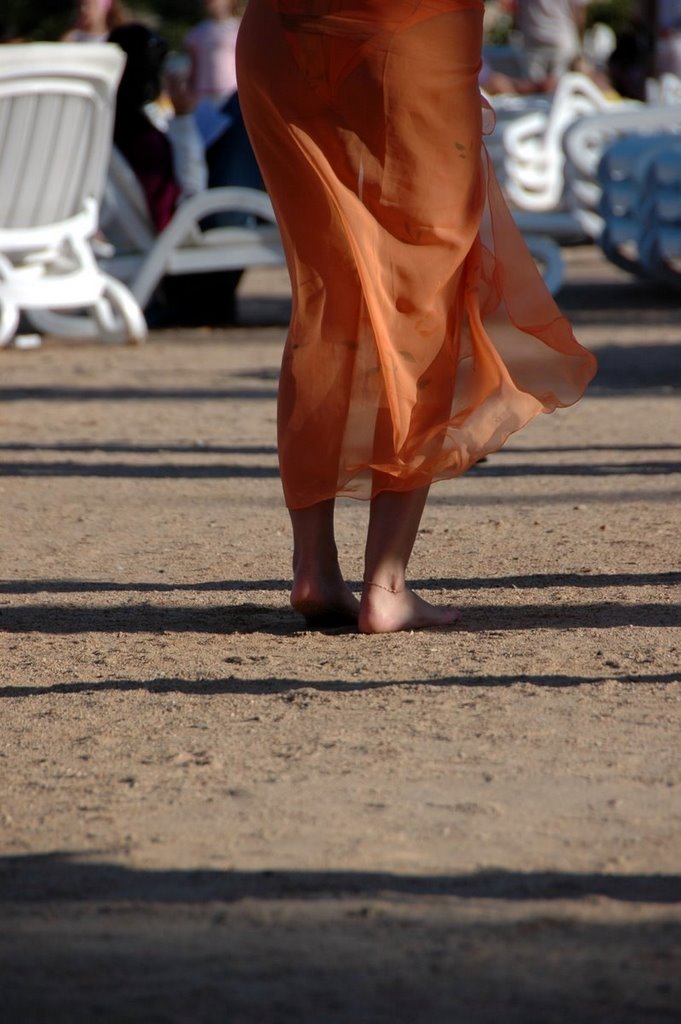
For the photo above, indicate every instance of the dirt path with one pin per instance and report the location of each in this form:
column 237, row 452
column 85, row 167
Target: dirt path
column 209, row 814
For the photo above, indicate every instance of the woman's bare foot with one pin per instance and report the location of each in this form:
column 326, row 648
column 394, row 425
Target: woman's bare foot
column 383, row 610
column 319, row 591
column 325, row 603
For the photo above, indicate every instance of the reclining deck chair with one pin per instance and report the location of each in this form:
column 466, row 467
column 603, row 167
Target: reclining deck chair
column 585, row 143
column 56, row 116
column 534, row 157
column 142, row 259
column 526, row 148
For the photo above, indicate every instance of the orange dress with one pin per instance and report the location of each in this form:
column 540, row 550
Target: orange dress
column 422, row 334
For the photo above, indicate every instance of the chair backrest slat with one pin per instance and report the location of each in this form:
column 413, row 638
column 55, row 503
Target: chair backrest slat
column 67, row 127
column 16, row 129
column 56, row 123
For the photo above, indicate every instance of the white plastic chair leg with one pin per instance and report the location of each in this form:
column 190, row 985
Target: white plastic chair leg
column 127, row 314
column 115, row 317
column 9, row 321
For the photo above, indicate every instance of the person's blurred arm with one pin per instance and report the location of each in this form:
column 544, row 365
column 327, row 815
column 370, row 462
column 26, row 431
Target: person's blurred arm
column 579, row 10
column 189, row 161
column 496, row 83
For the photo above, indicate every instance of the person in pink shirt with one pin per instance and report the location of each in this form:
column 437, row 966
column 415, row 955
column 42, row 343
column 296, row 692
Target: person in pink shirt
column 211, row 47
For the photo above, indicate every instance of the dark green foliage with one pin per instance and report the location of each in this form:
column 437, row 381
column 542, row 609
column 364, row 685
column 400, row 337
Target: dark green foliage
column 615, row 13
column 37, row 19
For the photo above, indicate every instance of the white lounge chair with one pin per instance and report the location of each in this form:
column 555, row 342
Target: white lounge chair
column 660, row 239
column 586, row 141
column 534, row 158
column 541, row 229
column 641, row 205
column 629, row 198
column 56, row 115
column 141, row 259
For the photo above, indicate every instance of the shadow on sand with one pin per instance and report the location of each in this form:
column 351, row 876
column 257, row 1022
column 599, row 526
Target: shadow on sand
column 84, row 941
column 582, row 580
column 233, row 684
column 229, row 618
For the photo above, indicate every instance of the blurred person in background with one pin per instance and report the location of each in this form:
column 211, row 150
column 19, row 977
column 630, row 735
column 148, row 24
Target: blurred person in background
column 168, row 160
column 668, row 42
column 496, row 83
column 171, row 164
column 552, row 32
column 94, row 20
column 211, row 46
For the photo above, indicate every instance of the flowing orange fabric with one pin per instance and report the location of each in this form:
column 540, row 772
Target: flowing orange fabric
column 422, row 334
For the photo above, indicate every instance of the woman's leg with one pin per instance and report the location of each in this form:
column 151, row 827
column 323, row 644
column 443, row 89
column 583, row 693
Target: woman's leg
column 319, row 591
column 387, row 605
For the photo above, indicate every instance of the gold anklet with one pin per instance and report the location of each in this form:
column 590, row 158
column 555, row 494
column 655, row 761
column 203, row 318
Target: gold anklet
column 388, row 590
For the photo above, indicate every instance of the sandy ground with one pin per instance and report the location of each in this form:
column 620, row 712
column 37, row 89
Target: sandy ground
column 209, row 813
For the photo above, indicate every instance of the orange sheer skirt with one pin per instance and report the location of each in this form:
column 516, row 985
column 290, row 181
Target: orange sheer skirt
column 422, row 334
